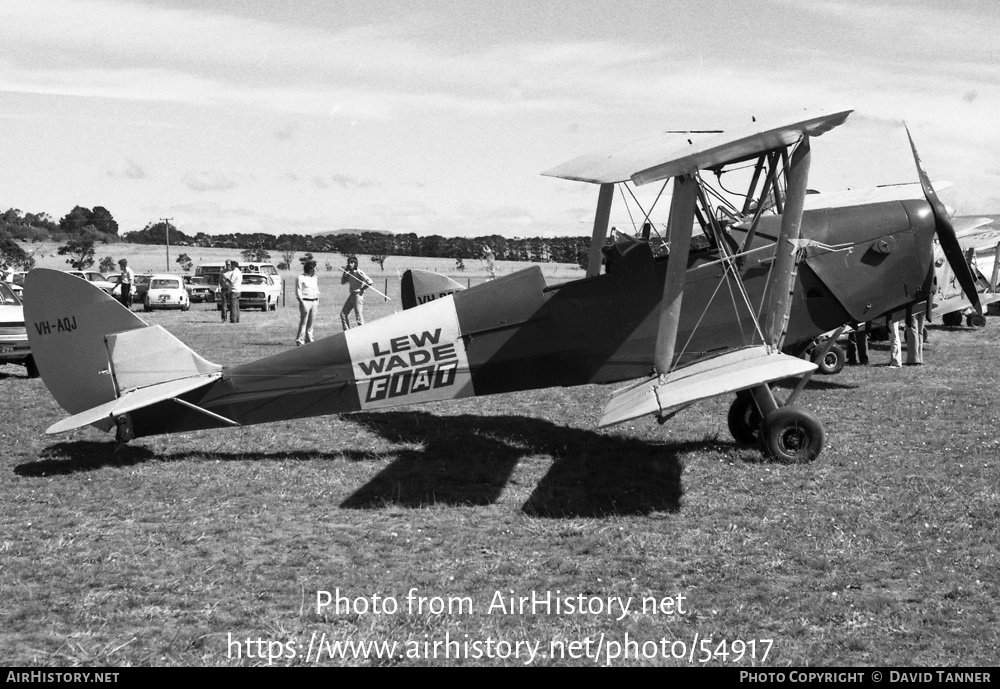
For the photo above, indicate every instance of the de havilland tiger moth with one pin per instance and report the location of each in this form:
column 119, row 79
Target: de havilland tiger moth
column 689, row 322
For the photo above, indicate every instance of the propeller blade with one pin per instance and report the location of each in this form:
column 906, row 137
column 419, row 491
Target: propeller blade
column 946, row 234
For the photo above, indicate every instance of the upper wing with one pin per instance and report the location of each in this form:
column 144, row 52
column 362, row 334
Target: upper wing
column 976, row 233
column 671, row 154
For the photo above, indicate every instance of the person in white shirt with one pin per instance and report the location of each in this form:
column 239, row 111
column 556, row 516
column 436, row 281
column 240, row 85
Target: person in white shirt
column 359, row 282
column 230, row 282
column 126, row 281
column 307, row 293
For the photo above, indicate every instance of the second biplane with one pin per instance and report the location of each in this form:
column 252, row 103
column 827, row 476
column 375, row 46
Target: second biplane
column 690, row 324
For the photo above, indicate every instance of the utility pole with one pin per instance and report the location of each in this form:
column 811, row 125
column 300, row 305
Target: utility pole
column 166, row 221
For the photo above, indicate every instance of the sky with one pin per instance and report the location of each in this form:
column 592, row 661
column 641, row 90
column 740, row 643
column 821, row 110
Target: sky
column 437, row 117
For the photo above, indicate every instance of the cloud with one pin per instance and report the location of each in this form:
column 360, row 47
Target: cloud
column 208, row 181
column 128, row 169
column 342, row 181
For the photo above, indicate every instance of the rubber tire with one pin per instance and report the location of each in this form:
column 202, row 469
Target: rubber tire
column 29, row 364
column 952, row 320
column 974, row 320
column 744, row 419
column 833, row 362
column 793, row 435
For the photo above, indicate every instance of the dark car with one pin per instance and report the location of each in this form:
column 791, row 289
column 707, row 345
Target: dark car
column 198, row 289
column 139, row 288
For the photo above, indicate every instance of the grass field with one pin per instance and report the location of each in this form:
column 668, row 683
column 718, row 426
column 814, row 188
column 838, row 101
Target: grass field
column 181, row 549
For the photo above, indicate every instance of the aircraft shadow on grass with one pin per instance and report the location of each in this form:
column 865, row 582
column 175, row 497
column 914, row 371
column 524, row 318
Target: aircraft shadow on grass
column 464, row 460
column 469, row 460
column 87, row 455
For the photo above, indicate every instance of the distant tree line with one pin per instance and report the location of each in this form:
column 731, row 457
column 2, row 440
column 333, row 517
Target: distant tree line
column 536, row 249
column 82, row 229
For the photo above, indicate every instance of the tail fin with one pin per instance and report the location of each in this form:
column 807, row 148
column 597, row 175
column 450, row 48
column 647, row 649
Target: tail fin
column 90, row 350
column 420, row 286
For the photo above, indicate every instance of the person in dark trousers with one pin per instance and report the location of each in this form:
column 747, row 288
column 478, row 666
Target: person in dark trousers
column 232, row 279
column 857, row 346
column 224, row 290
column 126, row 281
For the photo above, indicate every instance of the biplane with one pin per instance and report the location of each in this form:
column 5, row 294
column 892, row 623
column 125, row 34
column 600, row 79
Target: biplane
column 687, row 320
column 980, row 243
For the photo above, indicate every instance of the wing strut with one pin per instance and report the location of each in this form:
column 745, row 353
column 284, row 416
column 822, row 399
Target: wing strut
column 781, row 282
column 601, row 218
column 679, row 230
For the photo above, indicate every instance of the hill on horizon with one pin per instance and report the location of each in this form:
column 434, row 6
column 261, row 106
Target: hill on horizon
column 349, row 231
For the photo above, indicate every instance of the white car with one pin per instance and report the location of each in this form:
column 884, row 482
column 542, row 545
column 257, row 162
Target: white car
column 15, row 280
column 259, row 291
column 93, row 276
column 13, row 336
column 166, row 292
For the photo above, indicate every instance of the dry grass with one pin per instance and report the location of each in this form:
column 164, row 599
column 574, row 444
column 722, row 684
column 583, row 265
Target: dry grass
column 882, row 552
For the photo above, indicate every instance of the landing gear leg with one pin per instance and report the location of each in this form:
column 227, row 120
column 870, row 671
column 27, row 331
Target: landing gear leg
column 744, row 419
column 123, row 432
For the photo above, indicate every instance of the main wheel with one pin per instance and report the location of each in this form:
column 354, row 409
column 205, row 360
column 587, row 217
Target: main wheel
column 744, row 419
column 29, row 364
column 833, row 361
column 975, row 320
column 793, row 434
column 952, row 319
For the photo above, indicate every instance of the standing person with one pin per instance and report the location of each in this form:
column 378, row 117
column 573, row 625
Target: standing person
column 307, row 293
column 234, row 280
column 895, row 346
column 224, row 290
column 915, row 337
column 857, row 346
column 126, row 280
column 359, row 282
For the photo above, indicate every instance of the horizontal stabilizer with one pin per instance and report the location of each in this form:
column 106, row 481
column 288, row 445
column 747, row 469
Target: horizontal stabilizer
column 729, row 372
column 130, row 401
column 152, row 355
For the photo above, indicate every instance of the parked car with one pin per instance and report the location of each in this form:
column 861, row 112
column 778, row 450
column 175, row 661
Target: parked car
column 198, row 289
column 13, row 335
column 211, row 272
column 15, row 280
column 165, row 292
column 139, row 287
column 259, row 291
column 93, row 276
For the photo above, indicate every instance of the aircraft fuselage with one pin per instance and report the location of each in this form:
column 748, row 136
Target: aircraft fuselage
column 517, row 333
